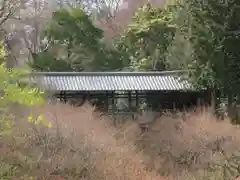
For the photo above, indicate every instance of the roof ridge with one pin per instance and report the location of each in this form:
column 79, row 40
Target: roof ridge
column 113, row 82
column 110, row 73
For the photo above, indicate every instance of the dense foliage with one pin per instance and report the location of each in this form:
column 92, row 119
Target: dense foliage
column 146, row 40
column 74, row 44
column 201, row 37
column 212, row 27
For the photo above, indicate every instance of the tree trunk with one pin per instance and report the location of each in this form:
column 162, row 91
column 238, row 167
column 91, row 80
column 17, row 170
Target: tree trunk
column 10, row 59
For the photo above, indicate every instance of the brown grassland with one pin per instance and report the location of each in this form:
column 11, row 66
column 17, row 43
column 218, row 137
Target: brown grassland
column 82, row 145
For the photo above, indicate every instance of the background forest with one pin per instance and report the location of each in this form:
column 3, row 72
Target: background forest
column 114, row 35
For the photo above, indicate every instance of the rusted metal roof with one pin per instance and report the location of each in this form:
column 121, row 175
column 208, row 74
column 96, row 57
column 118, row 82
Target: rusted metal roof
column 111, row 81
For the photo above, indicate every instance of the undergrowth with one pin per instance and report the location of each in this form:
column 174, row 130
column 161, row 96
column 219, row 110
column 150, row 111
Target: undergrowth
column 84, row 145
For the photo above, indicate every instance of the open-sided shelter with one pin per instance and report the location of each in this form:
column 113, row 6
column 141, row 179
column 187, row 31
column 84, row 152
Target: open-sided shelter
column 160, row 90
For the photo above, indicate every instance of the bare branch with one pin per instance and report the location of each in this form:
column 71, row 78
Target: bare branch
column 7, row 10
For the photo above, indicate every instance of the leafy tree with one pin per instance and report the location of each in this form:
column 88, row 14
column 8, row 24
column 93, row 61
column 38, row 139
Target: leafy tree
column 75, row 33
column 75, row 44
column 145, row 42
column 232, row 53
column 71, row 27
column 14, row 93
column 211, row 28
column 207, row 24
column 44, row 61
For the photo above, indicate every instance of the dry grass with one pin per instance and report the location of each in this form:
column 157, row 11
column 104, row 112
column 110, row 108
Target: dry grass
column 83, row 145
column 189, row 142
column 80, row 145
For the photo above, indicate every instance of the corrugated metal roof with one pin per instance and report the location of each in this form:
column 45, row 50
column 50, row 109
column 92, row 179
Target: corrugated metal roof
column 109, row 81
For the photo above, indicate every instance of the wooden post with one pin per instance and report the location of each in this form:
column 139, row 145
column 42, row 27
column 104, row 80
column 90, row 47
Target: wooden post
column 64, row 97
column 113, row 107
column 130, row 104
column 87, row 96
column 60, row 96
column 130, row 100
column 106, row 105
column 137, row 102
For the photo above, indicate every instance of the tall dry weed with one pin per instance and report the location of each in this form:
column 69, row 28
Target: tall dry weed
column 84, row 145
column 188, row 142
column 81, row 144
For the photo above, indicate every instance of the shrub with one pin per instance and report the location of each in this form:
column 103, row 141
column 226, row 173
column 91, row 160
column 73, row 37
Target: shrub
column 12, row 93
column 192, row 142
column 84, row 145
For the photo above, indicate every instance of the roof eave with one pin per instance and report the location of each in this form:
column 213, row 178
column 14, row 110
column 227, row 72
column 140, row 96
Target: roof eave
column 109, row 73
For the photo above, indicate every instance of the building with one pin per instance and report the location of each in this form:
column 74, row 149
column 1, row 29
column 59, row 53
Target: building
column 124, row 91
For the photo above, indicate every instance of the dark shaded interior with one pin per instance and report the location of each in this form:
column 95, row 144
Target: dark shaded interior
column 155, row 100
